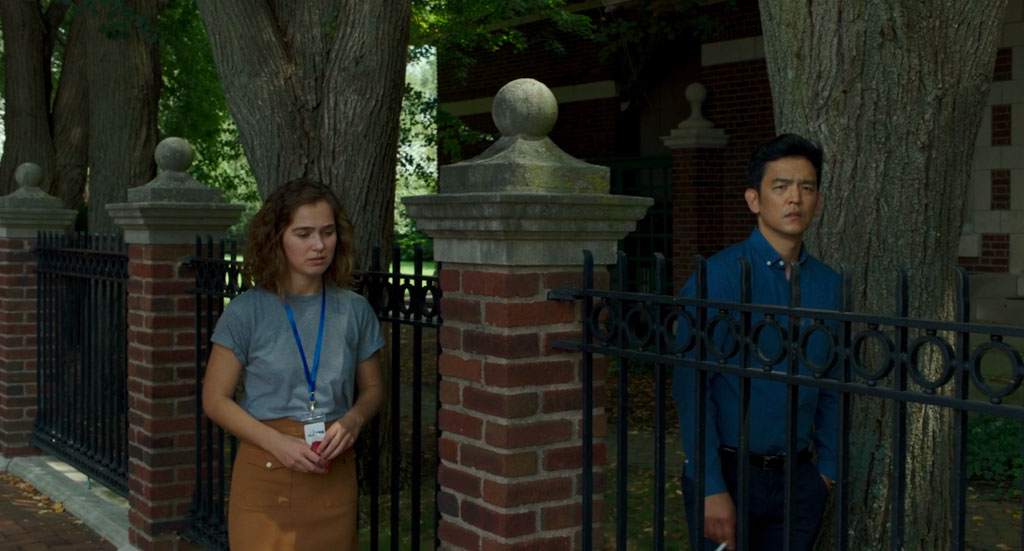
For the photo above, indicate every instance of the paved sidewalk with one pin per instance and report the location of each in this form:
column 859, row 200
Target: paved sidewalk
column 86, row 519
column 29, row 520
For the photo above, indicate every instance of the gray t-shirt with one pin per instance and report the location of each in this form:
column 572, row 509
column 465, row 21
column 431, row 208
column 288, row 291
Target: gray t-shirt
column 255, row 327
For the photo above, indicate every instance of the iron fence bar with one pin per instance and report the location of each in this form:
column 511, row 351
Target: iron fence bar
column 961, row 379
column 898, row 481
column 801, row 312
column 375, row 291
column 587, row 516
column 700, row 420
column 743, row 461
column 662, row 287
column 622, row 424
column 792, row 408
column 417, row 398
column 840, row 493
column 397, row 298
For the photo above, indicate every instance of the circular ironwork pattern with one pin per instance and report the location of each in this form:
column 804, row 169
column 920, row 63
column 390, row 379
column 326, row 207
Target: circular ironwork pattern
column 804, row 342
column 755, row 334
column 611, row 321
column 857, row 363
column 431, row 308
column 677, row 317
column 709, row 331
column 636, row 317
column 996, row 395
column 914, row 362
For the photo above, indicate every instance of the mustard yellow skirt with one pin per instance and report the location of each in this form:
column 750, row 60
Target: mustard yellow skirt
column 273, row 508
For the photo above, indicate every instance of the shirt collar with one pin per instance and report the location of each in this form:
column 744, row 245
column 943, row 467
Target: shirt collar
column 766, row 255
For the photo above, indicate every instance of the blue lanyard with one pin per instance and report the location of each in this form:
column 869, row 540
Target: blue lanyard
column 310, row 376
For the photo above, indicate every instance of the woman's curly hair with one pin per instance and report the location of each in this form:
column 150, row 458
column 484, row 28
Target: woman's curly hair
column 265, row 262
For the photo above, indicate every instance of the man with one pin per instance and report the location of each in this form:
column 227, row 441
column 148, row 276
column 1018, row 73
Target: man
column 783, row 179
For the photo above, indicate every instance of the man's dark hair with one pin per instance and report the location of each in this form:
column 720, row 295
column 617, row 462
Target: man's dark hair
column 784, row 145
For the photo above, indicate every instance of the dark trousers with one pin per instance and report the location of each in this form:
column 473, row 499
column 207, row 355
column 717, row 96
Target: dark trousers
column 767, row 506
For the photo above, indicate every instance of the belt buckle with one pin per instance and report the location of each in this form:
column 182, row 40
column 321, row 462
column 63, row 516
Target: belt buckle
column 766, row 462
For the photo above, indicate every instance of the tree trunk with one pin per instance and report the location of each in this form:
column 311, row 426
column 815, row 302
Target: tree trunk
column 26, row 90
column 894, row 92
column 315, row 88
column 123, row 87
column 70, row 120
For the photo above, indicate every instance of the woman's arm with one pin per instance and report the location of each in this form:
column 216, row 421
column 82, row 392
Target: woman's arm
column 222, row 373
column 342, row 434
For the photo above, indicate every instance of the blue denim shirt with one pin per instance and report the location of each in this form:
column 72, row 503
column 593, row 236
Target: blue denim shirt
column 817, row 416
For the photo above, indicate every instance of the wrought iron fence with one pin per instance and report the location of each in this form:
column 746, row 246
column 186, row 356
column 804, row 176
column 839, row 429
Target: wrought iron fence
column 900, row 359
column 401, row 301
column 82, row 354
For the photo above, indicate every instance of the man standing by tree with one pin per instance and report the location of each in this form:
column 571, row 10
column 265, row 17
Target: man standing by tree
column 783, row 192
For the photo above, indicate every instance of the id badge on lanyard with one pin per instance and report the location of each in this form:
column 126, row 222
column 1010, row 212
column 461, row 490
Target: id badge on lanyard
column 314, row 426
column 313, row 422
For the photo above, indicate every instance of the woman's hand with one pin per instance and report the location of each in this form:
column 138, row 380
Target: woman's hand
column 295, row 454
column 340, row 436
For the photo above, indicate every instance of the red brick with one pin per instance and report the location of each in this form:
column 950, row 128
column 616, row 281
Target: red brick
column 522, row 345
column 501, row 405
column 453, row 366
column 563, row 399
column 447, row 504
column 496, row 284
column 515, row 494
column 450, row 338
column 450, row 280
column 559, row 543
column 571, row 457
column 449, row 392
column 501, row 464
column 460, row 309
column 515, row 436
column 457, row 537
column 459, row 423
column 508, row 525
column 559, row 517
column 459, row 481
column 448, row 450
column 528, row 314
column 506, row 375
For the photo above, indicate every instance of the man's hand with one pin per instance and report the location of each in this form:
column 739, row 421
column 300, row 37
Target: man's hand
column 720, row 519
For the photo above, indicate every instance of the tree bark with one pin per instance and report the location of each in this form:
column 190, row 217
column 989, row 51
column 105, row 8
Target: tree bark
column 123, row 82
column 894, row 92
column 70, row 120
column 26, row 86
column 315, row 88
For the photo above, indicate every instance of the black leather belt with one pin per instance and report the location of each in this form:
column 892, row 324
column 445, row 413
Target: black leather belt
column 766, row 462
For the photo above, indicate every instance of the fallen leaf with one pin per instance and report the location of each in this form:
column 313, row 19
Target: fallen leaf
column 977, row 517
column 58, row 507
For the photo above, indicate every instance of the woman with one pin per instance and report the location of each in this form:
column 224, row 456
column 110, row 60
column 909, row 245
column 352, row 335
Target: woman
column 302, row 341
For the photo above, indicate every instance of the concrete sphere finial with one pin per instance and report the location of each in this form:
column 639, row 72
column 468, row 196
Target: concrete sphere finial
column 525, row 107
column 28, row 175
column 696, row 93
column 174, row 154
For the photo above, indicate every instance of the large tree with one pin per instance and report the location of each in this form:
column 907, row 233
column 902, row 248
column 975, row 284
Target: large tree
column 315, row 88
column 895, row 93
column 81, row 85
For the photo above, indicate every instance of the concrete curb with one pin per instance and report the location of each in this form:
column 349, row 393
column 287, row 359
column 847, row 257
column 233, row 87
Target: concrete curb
column 98, row 508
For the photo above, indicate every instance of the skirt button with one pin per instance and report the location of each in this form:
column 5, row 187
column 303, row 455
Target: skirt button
column 269, row 464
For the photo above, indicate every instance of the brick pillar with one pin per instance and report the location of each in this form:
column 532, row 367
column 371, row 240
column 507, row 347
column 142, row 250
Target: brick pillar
column 697, row 200
column 509, row 226
column 22, row 215
column 160, row 225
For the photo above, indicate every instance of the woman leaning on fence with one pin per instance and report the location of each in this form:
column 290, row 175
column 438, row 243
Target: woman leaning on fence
column 302, row 342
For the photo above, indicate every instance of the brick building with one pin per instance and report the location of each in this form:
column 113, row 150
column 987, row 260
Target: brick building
column 625, row 111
